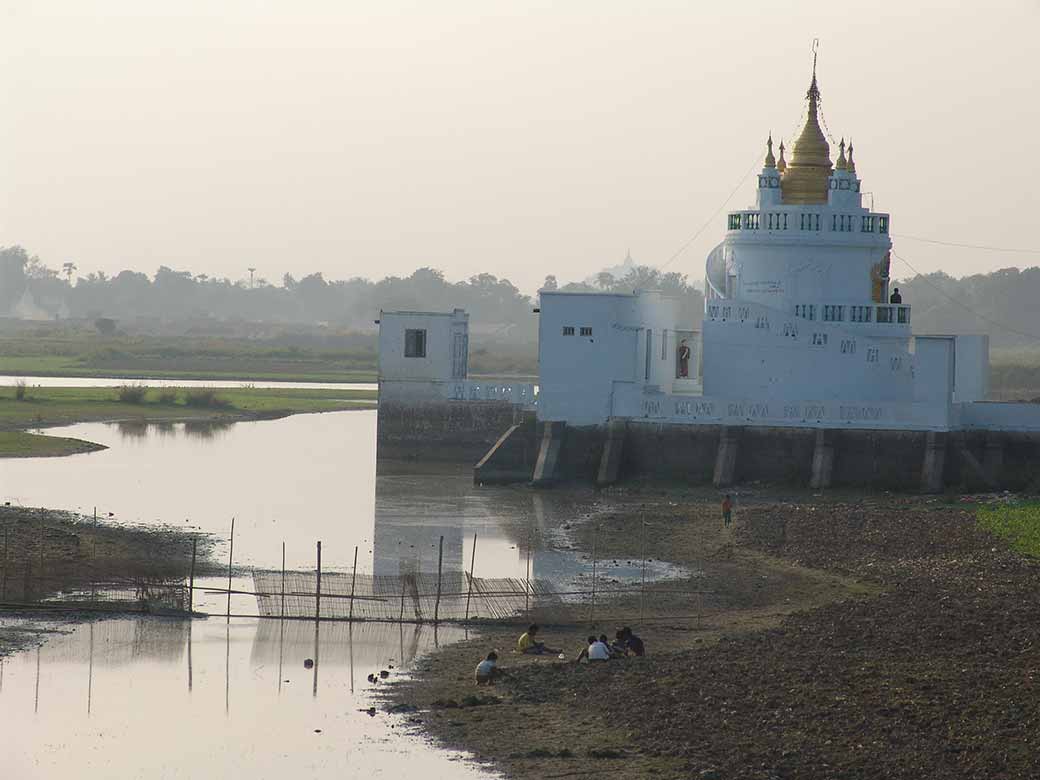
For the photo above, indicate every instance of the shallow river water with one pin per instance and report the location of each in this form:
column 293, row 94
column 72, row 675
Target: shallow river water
column 158, row 698
column 162, row 698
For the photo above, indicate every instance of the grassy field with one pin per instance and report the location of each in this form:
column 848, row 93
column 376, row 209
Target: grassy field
column 1019, row 524
column 143, row 370
column 49, row 406
column 80, row 353
column 311, row 356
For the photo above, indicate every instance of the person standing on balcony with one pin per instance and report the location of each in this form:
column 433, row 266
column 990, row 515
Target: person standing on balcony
column 684, row 360
column 895, row 297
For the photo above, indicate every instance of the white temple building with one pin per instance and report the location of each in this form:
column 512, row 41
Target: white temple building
column 802, row 329
column 800, row 326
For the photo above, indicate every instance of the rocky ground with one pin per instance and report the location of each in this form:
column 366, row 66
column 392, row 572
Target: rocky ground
column 855, row 637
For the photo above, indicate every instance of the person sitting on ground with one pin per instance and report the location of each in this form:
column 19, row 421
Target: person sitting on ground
column 596, row 651
column 526, row 643
column 487, row 670
column 633, row 644
column 619, row 646
column 614, row 652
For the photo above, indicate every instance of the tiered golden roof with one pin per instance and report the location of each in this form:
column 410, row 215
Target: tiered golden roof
column 805, row 179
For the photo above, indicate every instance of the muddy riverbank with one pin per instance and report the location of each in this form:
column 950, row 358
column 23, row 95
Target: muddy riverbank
column 48, row 555
column 854, row 637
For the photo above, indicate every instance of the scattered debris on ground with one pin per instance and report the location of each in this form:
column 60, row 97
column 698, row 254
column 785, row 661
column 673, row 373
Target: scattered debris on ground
column 847, row 637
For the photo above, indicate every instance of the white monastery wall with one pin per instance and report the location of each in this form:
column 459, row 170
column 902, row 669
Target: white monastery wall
column 585, row 342
column 444, row 350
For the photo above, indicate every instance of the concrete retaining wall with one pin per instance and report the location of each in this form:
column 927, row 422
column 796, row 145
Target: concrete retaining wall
column 896, row 460
column 452, row 431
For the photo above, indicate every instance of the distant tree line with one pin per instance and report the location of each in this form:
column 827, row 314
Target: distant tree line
column 29, row 288
column 1001, row 303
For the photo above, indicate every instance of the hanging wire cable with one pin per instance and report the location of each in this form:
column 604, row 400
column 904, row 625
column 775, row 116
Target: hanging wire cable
column 823, row 118
column 702, row 228
column 969, row 246
column 962, row 304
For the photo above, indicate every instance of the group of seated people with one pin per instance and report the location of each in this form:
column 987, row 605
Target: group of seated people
column 625, row 643
column 598, row 649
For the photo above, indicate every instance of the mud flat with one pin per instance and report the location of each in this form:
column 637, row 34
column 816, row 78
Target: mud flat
column 47, row 552
column 841, row 636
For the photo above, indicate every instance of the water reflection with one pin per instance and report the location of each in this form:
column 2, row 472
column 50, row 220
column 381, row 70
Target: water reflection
column 201, row 430
column 115, row 696
column 306, row 478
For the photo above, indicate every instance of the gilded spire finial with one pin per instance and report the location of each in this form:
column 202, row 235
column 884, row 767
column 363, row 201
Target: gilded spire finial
column 852, row 163
column 814, row 91
column 781, row 165
column 770, row 160
column 805, row 180
column 841, row 164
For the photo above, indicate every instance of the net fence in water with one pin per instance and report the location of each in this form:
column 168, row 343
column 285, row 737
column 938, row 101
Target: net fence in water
column 128, row 595
column 407, row 597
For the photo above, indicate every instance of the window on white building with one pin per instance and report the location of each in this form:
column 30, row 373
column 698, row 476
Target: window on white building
column 882, row 224
column 415, row 343
column 586, row 331
column 734, row 221
column 867, row 225
column 568, row 330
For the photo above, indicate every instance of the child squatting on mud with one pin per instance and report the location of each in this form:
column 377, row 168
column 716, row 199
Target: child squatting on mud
column 488, row 671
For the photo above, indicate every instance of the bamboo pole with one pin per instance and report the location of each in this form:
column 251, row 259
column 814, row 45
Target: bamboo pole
column 527, row 582
column 93, row 560
column 592, row 608
column 282, row 613
column 231, row 554
column 472, row 565
column 3, row 585
column 317, row 592
column 353, row 580
column 642, row 585
column 440, row 561
column 401, row 618
column 191, row 576
column 42, row 586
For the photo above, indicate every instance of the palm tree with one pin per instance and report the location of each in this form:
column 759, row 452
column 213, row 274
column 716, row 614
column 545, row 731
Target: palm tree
column 69, row 269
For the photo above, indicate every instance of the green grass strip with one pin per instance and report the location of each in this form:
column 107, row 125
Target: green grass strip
column 1018, row 523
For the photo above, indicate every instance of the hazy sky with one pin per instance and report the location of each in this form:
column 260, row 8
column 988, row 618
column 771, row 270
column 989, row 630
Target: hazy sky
column 521, row 139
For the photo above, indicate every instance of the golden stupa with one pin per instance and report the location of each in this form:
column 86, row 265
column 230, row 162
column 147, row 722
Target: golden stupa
column 804, row 180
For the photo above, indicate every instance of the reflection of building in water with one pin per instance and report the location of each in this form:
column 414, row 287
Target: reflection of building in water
column 413, row 511
column 410, row 517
